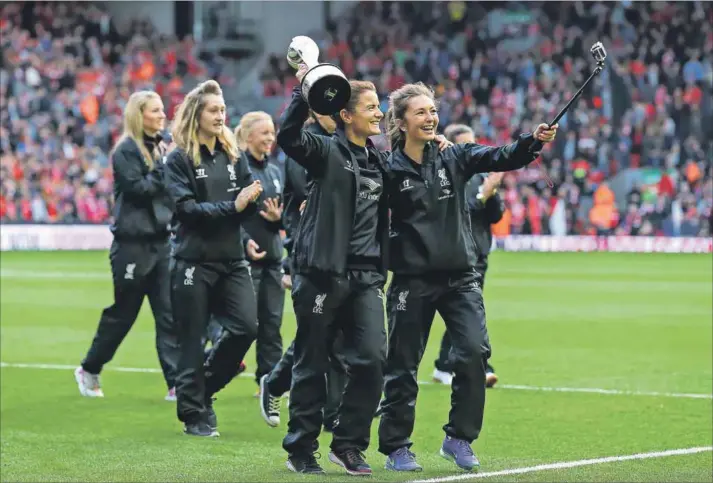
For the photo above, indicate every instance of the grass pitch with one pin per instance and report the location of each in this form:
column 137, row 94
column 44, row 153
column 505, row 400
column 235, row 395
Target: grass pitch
column 639, row 325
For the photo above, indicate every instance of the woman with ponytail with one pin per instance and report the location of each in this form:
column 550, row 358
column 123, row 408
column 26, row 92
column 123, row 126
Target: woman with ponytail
column 256, row 139
column 214, row 193
column 432, row 257
column 140, row 251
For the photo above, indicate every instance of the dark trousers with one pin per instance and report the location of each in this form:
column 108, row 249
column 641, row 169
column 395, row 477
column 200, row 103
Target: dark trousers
column 280, row 378
column 323, row 306
column 444, row 362
column 199, row 290
column 138, row 270
column 267, row 281
column 412, row 303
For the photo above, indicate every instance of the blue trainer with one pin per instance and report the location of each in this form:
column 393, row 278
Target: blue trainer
column 402, row 460
column 460, row 452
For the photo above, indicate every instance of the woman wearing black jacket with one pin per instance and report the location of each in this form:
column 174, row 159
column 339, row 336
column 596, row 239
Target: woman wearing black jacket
column 140, row 251
column 339, row 263
column 433, row 258
column 338, row 276
column 256, row 138
column 213, row 191
column 279, row 380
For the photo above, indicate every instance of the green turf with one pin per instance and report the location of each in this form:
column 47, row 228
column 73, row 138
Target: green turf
column 612, row 321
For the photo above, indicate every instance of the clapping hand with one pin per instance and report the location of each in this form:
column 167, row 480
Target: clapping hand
column 248, row 195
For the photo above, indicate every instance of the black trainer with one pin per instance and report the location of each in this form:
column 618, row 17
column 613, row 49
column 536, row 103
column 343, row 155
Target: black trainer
column 351, row 460
column 200, row 428
column 269, row 404
column 305, row 463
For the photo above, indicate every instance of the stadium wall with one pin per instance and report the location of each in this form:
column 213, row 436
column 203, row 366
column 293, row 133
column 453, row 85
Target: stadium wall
column 30, row 237
column 160, row 13
column 303, row 18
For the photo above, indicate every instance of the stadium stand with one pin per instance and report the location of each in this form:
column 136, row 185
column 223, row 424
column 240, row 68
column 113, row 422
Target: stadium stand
column 633, row 157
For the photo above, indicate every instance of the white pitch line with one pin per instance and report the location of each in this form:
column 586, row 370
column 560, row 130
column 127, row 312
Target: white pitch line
column 591, row 390
column 569, row 464
column 618, row 392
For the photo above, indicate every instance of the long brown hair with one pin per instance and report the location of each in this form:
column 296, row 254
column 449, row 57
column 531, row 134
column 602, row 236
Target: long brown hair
column 398, row 103
column 186, row 123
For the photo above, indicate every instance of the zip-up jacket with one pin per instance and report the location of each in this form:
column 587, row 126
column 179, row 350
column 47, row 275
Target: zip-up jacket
column 482, row 215
column 208, row 227
column 265, row 233
column 142, row 205
column 325, row 229
column 296, row 187
column 430, row 221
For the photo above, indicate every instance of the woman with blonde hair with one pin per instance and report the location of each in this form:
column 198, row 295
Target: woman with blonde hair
column 256, row 138
column 214, row 193
column 140, row 251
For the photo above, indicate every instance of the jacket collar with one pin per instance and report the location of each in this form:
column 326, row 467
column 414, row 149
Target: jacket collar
column 255, row 163
column 371, row 148
column 399, row 161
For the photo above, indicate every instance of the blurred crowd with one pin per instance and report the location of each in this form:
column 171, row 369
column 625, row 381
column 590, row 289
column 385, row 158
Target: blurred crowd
column 501, row 68
column 66, row 72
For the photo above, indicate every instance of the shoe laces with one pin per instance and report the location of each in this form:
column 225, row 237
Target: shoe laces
column 311, row 460
column 354, row 456
column 92, row 380
column 465, row 447
column 273, row 404
column 406, row 453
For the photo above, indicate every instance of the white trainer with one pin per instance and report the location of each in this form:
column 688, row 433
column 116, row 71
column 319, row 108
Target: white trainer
column 171, row 396
column 442, row 377
column 89, row 384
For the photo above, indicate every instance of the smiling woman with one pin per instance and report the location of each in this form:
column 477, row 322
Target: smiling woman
column 256, row 138
column 433, row 259
column 214, row 192
column 140, row 251
column 339, row 274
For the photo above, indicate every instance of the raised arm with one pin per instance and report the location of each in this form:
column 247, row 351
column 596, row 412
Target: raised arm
column 307, row 149
column 476, row 158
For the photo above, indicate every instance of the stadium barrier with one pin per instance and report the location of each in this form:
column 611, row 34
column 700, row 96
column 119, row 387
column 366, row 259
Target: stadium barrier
column 16, row 237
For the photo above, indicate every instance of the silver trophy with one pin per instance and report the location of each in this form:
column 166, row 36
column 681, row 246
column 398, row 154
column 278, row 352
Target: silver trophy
column 324, row 86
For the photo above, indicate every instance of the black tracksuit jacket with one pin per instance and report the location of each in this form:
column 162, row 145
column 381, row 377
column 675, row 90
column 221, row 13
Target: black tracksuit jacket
column 482, row 215
column 265, row 233
column 321, row 244
column 208, row 228
column 430, row 221
column 143, row 208
column 297, row 184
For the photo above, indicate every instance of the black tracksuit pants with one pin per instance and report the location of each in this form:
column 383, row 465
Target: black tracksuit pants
column 444, row 362
column 199, row 290
column 412, row 302
column 139, row 269
column 267, row 281
column 280, row 378
column 323, row 306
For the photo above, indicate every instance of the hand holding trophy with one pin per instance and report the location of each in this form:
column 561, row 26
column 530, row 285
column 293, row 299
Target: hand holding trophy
column 324, row 86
